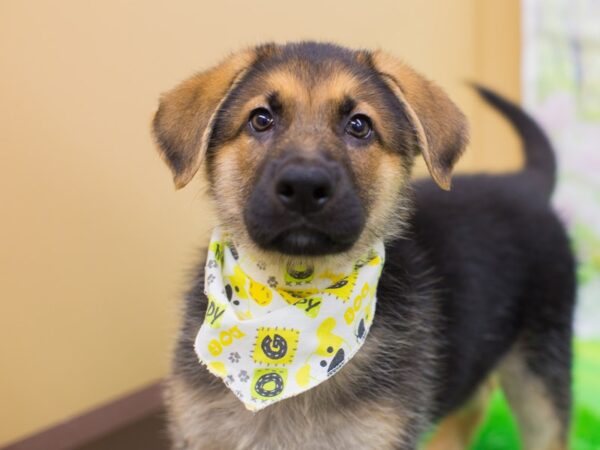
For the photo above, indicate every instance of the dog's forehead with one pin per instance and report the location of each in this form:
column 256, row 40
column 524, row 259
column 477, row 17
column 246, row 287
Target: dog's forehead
column 300, row 71
column 293, row 87
column 317, row 84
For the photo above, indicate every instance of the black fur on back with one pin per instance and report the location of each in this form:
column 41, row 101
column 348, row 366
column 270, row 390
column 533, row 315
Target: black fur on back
column 503, row 265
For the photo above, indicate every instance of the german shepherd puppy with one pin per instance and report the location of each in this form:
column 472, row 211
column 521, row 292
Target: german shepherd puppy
column 477, row 281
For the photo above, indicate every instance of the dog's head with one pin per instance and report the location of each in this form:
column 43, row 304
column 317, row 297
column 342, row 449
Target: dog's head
column 308, row 147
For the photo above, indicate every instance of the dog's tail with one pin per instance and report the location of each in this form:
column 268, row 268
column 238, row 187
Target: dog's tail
column 540, row 160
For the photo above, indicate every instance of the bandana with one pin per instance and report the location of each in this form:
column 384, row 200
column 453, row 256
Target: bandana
column 274, row 332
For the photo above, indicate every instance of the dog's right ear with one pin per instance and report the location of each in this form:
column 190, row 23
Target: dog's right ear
column 183, row 123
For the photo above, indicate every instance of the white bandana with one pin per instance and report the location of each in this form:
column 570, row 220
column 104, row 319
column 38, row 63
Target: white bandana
column 273, row 332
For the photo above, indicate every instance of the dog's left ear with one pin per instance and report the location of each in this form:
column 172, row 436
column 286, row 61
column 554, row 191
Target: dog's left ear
column 440, row 127
column 183, row 123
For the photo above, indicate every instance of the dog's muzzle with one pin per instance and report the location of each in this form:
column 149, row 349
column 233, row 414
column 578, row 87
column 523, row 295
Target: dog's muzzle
column 304, row 205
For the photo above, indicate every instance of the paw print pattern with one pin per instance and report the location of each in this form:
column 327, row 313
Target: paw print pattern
column 234, row 357
column 210, row 278
column 272, row 282
column 212, row 263
column 261, row 265
column 243, row 376
column 230, row 378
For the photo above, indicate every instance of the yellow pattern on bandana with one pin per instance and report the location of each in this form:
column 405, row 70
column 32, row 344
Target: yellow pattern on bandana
column 274, row 332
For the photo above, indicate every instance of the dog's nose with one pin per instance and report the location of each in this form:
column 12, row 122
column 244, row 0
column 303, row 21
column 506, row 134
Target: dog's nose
column 304, row 188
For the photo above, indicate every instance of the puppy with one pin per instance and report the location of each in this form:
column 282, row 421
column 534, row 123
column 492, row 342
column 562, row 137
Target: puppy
column 477, row 281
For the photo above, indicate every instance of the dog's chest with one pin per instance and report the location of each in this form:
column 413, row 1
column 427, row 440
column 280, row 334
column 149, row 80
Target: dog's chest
column 328, row 416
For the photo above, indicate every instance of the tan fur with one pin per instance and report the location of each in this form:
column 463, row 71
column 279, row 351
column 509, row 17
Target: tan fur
column 440, row 126
column 287, row 83
column 457, row 430
column 533, row 409
column 183, row 120
column 319, row 419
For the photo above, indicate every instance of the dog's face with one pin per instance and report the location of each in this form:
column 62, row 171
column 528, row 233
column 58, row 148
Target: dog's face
column 308, row 147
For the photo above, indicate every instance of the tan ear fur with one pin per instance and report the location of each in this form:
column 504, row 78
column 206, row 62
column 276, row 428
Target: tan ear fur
column 441, row 129
column 183, row 123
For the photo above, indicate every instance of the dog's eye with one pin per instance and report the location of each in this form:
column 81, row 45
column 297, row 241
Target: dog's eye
column 359, row 126
column 261, row 120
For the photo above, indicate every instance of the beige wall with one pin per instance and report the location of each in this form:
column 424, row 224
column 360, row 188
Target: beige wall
column 94, row 242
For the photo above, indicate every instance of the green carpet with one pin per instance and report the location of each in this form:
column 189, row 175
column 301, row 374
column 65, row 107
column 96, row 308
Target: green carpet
column 499, row 432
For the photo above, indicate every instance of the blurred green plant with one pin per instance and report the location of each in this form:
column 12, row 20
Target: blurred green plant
column 587, row 246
